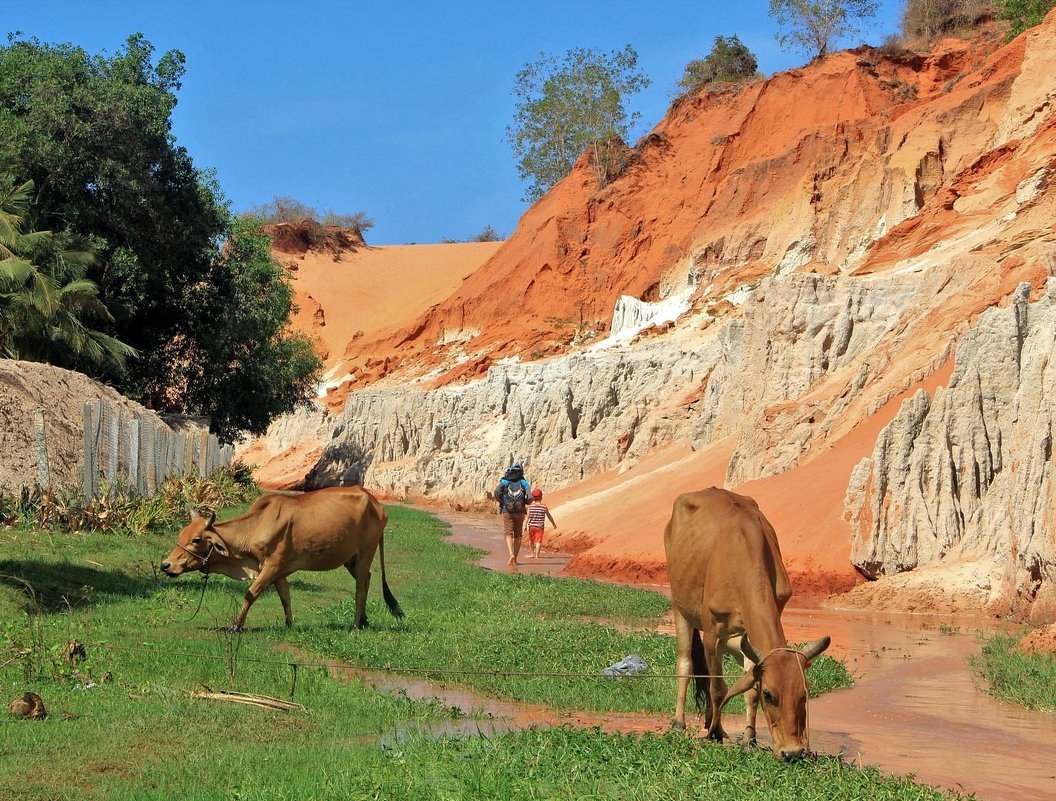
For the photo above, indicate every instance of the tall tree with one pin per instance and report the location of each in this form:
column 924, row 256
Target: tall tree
column 245, row 366
column 814, row 25
column 566, row 107
column 94, row 135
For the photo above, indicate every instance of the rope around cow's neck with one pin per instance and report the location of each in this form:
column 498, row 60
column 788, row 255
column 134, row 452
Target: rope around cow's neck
column 205, row 573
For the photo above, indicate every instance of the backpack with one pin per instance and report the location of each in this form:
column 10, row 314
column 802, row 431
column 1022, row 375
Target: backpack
column 514, row 496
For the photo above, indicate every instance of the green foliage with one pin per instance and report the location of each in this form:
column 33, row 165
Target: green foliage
column 47, row 304
column 930, row 19
column 814, row 25
column 567, row 107
column 1023, row 14
column 244, row 366
column 119, row 509
column 290, row 210
column 1025, row 679
column 94, row 135
column 729, row 61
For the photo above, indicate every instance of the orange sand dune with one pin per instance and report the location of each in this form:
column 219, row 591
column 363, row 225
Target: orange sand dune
column 387, row 287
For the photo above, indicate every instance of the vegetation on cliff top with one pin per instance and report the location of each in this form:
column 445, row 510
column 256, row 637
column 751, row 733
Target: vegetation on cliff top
column 565, row 108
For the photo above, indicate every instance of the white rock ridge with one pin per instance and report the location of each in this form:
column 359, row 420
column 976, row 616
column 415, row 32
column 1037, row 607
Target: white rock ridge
column 965, row 477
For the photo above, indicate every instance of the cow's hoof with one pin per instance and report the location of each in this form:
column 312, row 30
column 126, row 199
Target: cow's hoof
column 234, row 630
column 748, row 739
column 678, row 725
column 718, row 735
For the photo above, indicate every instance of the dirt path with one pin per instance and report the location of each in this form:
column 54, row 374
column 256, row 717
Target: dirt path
column 914, row 708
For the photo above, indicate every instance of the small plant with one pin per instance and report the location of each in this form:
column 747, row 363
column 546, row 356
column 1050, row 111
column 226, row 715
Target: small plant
column 1023, row 14
column 947, row 630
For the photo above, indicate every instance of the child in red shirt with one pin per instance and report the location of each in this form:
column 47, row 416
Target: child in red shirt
column 537, row 514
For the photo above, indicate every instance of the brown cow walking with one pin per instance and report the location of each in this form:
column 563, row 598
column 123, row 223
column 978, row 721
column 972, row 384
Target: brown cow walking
column 281, row 534
column 728, row 584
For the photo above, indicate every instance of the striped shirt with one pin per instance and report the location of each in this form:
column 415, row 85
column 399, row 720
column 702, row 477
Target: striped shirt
column 537, row 515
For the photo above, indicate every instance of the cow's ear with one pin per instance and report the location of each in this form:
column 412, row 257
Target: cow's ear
column 218, row 545
column 742, row 685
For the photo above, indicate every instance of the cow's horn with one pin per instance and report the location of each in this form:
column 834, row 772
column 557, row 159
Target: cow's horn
column 192, row 511
column 748, row 650
column 812, row 649
column 211, row 519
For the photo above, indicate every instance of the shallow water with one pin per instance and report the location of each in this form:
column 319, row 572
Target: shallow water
column 914, row 707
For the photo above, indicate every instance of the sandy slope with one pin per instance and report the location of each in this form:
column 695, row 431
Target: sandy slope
column 372, row 291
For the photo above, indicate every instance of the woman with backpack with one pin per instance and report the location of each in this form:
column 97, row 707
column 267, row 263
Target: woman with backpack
column 513, row 495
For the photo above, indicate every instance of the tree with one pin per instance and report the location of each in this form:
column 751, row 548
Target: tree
column 729, row 61
column 1024, row 14
column 245, row 366
column 94, row 134
column 46, row 302
column 813, row 25
column 565, row 108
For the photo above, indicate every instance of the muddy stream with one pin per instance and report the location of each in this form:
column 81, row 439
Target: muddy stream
column 913, row 709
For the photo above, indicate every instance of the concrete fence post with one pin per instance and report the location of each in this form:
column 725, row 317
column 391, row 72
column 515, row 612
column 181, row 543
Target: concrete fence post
column 41, row 439
column 90, row 465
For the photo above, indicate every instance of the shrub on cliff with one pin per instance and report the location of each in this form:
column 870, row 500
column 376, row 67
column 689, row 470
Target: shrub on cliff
column 291, row 210
column 729, row 61
column 566, row 108
column 930, row 19
column 1023, row 14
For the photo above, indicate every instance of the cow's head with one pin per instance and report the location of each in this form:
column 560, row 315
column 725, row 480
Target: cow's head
column 197, row 544
column 780, row 678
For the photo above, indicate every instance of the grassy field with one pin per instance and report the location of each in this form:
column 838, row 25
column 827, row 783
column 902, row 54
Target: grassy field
column 1025, row 679
column 141, row 735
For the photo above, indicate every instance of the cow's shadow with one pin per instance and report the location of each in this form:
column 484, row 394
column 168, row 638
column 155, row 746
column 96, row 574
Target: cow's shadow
column 53, row 586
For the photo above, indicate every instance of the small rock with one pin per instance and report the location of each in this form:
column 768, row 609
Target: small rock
column 30, row 706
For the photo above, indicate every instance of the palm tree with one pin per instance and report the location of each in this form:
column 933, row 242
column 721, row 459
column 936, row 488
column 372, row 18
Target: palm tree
column 46, row 300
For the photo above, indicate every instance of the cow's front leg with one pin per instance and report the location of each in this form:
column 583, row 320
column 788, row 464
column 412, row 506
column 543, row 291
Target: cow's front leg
column 283, row 588
column 268, row 574
column 713, row 649
column 751, row 697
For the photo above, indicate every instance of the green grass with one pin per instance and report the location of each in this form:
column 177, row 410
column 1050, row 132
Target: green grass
column 518, row 623
column 1025, row 679
column 140, row 736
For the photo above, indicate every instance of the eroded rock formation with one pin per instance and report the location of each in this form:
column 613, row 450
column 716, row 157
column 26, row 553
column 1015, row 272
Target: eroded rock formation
column 966, row 476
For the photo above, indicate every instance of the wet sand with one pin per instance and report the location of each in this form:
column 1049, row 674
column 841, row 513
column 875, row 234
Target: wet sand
column 914, row 707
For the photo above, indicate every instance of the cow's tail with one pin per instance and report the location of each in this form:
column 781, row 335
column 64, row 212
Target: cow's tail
column 700, row 669
column 390, row 599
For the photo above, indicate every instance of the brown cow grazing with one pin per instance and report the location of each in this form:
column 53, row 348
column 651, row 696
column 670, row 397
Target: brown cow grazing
column 281, row 534
column 728, row 584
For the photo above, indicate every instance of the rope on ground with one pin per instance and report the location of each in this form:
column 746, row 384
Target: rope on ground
column 294, row 664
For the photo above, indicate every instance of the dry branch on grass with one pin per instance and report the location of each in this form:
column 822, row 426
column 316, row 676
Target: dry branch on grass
column 263, row 701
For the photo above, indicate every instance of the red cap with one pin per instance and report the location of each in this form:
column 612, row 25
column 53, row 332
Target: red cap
column 537, row 493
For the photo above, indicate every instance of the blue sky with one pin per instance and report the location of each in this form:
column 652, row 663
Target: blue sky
column 395, row 108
